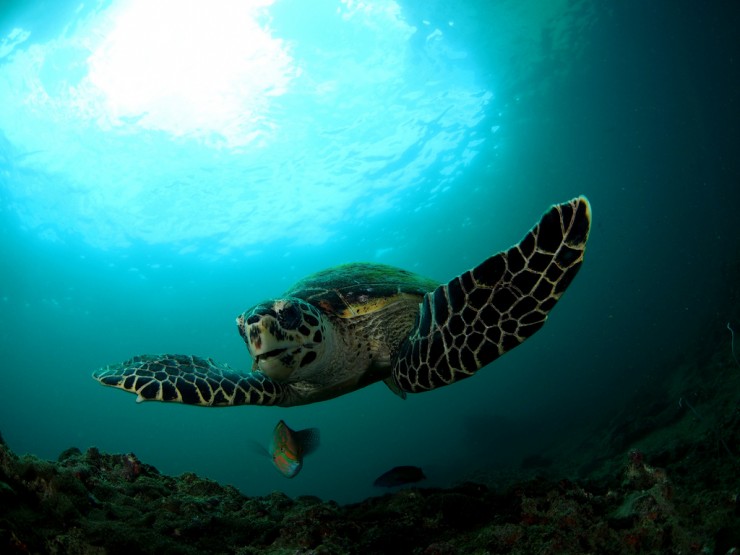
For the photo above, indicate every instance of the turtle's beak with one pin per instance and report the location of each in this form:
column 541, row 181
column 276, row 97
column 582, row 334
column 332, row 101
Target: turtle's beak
column 250, row 332
column 268, row 345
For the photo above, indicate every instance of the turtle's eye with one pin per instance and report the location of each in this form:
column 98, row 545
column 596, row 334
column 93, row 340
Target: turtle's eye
column 254, row 318
column 290, row 317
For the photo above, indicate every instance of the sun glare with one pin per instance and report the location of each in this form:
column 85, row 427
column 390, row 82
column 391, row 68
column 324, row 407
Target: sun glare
column 225, row 125
column 186, row 67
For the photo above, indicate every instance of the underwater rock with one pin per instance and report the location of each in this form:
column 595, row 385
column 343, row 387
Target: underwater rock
column 675, row 490
column 100, row 503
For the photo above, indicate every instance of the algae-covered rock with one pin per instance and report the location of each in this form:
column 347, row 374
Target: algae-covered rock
column 89, row 503
column 681, row 497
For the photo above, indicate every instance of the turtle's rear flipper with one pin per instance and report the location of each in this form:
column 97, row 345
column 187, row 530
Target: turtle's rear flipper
column 191, row 380
column 475, row 318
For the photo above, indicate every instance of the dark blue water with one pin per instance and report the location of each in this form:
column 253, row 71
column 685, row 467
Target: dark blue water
column 160, row 172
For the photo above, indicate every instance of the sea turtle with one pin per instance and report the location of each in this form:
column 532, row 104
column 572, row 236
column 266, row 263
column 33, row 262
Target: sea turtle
column 352, row 325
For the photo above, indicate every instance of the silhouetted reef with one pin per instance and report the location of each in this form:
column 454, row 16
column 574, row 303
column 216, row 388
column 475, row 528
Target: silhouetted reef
column 661, row 477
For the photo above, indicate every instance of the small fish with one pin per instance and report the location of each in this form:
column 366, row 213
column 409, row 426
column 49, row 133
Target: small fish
column 288, row 447
column 398, row 476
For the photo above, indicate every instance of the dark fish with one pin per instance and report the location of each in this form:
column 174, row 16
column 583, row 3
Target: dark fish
column 399, row 476
column 288, row 447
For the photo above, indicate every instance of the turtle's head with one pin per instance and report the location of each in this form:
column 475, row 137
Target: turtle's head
column 282, row 336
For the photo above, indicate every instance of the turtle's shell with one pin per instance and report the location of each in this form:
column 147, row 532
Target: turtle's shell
column 355, row 289
column 316, row 343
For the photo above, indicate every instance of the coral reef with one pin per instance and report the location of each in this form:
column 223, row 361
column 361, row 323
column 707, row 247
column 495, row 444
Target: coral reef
column 661, row 477
column 98, row 503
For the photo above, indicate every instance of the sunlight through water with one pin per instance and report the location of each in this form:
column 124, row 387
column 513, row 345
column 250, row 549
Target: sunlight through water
column 231, row 125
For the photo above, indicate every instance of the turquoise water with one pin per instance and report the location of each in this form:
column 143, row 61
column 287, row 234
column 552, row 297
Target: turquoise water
column 163, row 169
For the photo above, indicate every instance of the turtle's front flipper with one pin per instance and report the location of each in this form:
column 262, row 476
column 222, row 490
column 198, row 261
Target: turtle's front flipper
column 191, row 380
column 475, row 318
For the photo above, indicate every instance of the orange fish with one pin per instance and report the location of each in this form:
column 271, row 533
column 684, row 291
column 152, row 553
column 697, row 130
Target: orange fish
column 288, row 447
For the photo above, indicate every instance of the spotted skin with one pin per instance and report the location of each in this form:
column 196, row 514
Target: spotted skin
column 347, row 327
column 283, row 336
column 191, row 380
column 469, row 322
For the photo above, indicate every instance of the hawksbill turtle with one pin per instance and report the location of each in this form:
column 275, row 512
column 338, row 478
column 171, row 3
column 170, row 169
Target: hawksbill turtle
column 352, row 325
